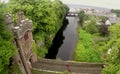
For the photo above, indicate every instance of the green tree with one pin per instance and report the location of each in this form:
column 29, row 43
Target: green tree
column 85, row 51
column 116, row 11
column 112, row 49
column 82, row 16
column 47, row 17
column 103, row 30
column 91, row 27
column 6, row 45
column 103, row 19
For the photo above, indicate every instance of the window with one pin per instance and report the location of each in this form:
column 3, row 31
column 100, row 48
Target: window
column 26, row 36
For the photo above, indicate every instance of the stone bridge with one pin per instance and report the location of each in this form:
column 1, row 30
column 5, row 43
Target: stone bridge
column 72, row 14
column 72, row 67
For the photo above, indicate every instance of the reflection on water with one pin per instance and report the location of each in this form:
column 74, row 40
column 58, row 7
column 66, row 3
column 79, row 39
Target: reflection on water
column 57, row 42
column 69, row 44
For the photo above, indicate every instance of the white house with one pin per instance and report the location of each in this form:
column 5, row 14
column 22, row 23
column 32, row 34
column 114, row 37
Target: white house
column 107, row 22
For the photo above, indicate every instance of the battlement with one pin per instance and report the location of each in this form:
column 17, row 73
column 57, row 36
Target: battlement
column 22, row 28
column 9, row 21
column 23, row 40
column 8, row 18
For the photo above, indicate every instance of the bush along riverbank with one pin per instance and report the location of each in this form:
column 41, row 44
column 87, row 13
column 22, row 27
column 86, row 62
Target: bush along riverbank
column 99, row 43
column 86, row 50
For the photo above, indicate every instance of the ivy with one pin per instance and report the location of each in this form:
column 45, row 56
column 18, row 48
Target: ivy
column 6, row 45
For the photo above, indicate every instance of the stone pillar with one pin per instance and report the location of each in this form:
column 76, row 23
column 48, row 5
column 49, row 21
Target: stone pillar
column 23, row 39
column 9, row 21
column 20, row 16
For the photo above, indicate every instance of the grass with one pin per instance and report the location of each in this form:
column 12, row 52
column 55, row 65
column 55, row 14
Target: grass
column 15, row 69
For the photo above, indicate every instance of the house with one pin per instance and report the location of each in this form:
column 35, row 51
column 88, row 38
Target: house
column 107, row 22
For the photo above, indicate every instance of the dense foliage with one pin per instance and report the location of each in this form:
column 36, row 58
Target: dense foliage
column 82, row 16
column 94, row 33
column 6, row 46
column 116, row 11
column 47, row 17
column 112, row 49
column 91, row 26
column 85, row 51
column 106, row 41
column 103, row 30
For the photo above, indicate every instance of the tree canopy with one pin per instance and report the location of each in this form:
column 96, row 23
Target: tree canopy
column 116, row 11
column 82, row 16
column 85, row 51
column 112, row 49
column 47, row 17
column 6, row 45
column 91, row 26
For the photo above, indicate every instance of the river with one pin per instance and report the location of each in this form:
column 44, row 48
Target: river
column 68, row 47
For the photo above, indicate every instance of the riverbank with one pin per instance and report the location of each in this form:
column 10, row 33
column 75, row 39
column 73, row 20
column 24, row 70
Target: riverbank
column 85, row 49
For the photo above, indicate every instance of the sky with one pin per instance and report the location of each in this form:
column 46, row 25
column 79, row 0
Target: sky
column 4, row 1
column 114, row 4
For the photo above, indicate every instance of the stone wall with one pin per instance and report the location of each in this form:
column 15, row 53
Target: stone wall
column 23, row 40
column 70, row 66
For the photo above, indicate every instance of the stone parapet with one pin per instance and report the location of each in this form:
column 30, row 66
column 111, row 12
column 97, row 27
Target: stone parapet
column 70, row 66
column 22, row 28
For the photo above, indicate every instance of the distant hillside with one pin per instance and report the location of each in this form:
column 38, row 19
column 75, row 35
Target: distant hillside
column 73, row 6
column 116, row 11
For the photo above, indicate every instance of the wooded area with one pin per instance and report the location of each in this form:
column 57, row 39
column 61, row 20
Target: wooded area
column 99, row 44
column 47, row 17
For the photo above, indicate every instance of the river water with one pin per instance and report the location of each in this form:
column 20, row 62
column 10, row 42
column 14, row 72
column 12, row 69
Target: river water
column 68, row 47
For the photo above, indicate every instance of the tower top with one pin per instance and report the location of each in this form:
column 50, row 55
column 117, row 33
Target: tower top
column 8, row 18
column 20, row 16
